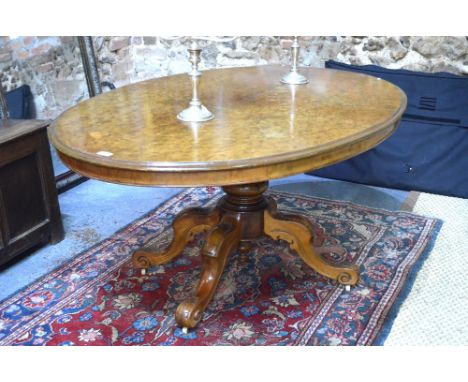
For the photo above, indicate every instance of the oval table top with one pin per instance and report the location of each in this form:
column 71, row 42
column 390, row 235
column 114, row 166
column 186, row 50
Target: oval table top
column 262, row 129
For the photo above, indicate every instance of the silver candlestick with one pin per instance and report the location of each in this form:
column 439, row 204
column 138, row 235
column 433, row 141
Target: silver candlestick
column 196, row 112
column 294, row 77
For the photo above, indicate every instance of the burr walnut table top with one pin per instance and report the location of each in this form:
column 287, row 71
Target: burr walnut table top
column 262, row 129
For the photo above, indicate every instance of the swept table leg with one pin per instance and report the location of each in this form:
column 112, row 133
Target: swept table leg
column 221, row 240
column 186, row 225
column 298, row 232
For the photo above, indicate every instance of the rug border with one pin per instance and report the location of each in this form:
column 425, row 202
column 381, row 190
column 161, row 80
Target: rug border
column 392, row 314
column 73, row 258
column 358, row 205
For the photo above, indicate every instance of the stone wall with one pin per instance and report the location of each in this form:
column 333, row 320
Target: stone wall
column 52, row 65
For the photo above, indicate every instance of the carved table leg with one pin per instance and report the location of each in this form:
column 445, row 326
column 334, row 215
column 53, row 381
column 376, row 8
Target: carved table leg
column 297, row 231
column 221, row 240
column 186, row 225
column 241, row 216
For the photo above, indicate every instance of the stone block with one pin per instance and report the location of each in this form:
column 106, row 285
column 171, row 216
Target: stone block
column 356, row 60
column 64, row 72
column 137, row 40
column 28, row 40
column 179, row 66
column 117, row 43
column 450, row 47
column 107, row 59
column 5, row 57
column 22, row 54
column 373, row 44
column 330, row 49
column 120, row 71
column 250, row 42
column 427, row 46
column 36, row 60
column 67, row 39
column 123, row 53
column 356, row 40
column 159, row 53
column 241, row 54
column 445, row 67
column 455, row 47
column 397, row 50
column 149, row 57
column 64, row 90
column 149, row 40
column 59, row 61
column 16, row 44
column 209, row 55
column 40, row 49
column 45, row 68
column 380, row 60
column 286, row 44
column 98, row 42
column 239, row 58
column 405, row 41
column 272, row 53
column 417, row 67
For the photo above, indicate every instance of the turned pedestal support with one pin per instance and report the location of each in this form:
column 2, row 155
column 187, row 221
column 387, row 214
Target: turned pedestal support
column 241, row 216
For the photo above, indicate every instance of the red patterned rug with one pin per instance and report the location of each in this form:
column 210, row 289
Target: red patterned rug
column 267, row 298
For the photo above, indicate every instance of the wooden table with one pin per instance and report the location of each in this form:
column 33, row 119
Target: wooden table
column 262, row 130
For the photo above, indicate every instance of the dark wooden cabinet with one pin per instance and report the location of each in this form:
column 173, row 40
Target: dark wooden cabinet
column 29, row 209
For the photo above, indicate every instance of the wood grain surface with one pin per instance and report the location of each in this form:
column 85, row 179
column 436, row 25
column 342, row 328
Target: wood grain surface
column 262, row 129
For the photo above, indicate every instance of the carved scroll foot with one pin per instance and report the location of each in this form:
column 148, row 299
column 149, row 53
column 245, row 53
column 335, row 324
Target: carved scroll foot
column 221, row 240
column 186, row 225
column 298, row 232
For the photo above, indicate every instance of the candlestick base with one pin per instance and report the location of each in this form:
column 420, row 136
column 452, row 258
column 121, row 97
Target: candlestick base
column 294, row 78
column 195, row 114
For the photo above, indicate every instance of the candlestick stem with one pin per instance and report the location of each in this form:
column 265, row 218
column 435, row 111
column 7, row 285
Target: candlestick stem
column 294, row 77
column 196, row 112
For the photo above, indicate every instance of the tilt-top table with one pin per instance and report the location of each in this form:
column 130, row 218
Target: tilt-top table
column 262, row 130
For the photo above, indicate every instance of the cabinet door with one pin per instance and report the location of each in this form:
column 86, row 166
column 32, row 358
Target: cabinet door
column 24, row 207
column 22, row 197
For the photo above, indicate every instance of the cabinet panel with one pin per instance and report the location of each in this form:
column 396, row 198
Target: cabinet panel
column 29, row 210
column 22, row 196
